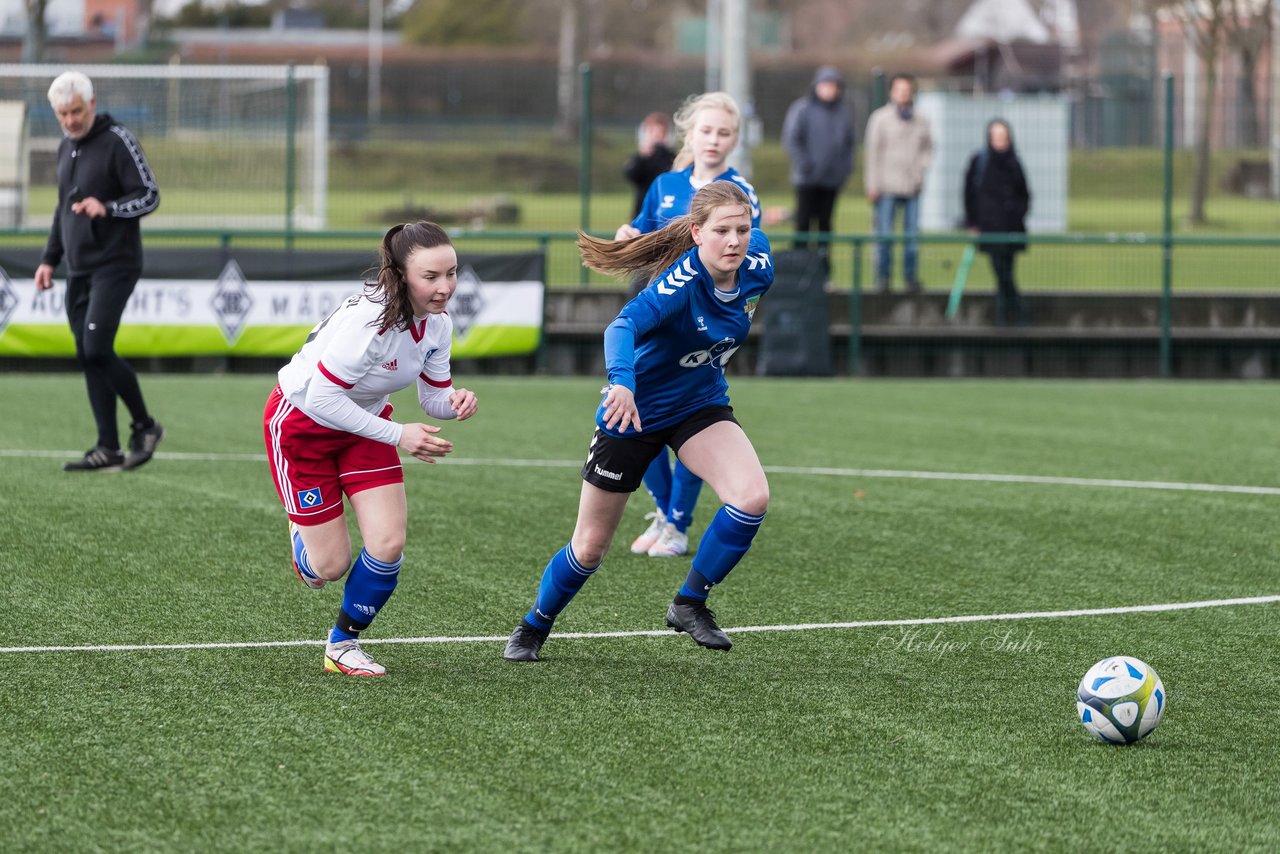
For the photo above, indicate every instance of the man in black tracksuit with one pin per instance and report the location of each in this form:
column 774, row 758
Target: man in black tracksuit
column 104, row 188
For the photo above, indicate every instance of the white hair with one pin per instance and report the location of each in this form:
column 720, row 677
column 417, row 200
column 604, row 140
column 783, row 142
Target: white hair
column 67, row 86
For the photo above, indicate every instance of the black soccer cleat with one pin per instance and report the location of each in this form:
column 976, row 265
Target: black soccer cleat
column 142, row 444
column 525, row 643
column 96, row 459
column 700, row 622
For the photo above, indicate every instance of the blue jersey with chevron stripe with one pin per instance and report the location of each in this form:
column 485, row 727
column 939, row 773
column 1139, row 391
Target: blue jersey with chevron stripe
column 671, row 343
column 671, row 193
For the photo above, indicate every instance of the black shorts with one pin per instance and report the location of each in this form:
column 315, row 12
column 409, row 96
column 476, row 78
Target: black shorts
column 618, row 465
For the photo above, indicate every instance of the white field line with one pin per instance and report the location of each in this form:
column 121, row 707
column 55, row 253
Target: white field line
column 821, row 471
column 796, row 627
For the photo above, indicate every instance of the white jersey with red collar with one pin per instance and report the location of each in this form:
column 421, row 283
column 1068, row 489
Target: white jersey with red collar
column 349, row 366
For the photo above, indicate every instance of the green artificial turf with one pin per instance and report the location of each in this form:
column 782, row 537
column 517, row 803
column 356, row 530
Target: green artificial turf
column 956, row 736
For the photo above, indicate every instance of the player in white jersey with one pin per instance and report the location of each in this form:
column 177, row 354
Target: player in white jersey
column 329, row 432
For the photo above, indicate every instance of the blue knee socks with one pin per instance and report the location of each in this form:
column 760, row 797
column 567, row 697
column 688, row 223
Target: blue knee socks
column 727, row 539
column 301, row 558
column 369, row 585
column 561, row 580
column 685, row 487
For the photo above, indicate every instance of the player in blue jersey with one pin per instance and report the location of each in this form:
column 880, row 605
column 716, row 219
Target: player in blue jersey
column 666, row 353
column 709, row 125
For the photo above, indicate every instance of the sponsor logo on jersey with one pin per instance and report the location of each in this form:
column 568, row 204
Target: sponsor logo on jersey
column 612, row 475
column 310, row 497
column 750, row 307
column 389, row 366
column 718, row 356
column 677, row 278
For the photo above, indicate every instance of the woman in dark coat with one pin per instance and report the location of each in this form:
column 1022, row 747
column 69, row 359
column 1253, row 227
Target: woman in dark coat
column 996, row 200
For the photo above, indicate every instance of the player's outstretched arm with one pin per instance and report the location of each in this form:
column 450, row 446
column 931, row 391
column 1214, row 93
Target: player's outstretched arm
column 420, row 441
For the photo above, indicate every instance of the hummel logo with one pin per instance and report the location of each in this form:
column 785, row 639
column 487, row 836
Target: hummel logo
column 757, row 261
column 667, row 201
column 702, row 324
column 389, row 366
column 677, row 278
column 612, row 475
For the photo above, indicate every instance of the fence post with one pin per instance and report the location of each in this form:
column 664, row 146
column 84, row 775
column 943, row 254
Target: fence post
column 540, row 355
column 584, row 141
column 855, row 312
column 1166, row 238
column 290, row 156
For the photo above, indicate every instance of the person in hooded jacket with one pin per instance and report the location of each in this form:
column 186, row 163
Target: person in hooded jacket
column 105, row 187
column 996, row 201
column 818, row 137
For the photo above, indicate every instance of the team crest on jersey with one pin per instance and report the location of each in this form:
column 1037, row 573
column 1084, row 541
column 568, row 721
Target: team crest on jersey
column 310, row 497
column 750, row 307
column 389, row 366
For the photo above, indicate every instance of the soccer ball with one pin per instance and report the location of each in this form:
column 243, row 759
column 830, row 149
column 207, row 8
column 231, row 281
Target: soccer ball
column 1120, row 700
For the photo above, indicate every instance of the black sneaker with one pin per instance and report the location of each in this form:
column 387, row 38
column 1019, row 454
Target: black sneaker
column 700, row 622
column 142, row 444
column 96, row 459
column 526, row 641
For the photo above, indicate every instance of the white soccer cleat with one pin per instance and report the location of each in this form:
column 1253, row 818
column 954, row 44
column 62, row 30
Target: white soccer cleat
column 671, row 543
column 645, row 541
column 348, row 658
column 313, row 583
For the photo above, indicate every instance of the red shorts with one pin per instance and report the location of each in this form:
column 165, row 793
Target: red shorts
column 313, row 465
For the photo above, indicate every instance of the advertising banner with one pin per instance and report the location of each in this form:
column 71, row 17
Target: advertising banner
column 496, row 310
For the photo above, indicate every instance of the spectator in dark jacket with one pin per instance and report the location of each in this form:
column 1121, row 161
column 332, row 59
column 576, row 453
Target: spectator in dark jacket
column 653, row 158
column 996, row 201
column 818, row 136
column 104, row 188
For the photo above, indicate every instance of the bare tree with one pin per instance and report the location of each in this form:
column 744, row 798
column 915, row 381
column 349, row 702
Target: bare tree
column 37, row 31
column 1204, row 23
column 1248, row 31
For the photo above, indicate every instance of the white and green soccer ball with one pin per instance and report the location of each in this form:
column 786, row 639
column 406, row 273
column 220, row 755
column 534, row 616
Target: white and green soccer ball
column 1120, row 700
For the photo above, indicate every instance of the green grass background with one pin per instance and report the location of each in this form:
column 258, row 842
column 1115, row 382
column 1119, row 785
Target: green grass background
column 376, row 183
column 797, row 741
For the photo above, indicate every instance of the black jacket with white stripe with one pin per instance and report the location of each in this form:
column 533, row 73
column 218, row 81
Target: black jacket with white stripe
column 108, row 164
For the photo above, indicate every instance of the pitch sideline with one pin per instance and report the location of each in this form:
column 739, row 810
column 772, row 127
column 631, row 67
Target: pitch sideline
column 796, row 627
column 819, row 471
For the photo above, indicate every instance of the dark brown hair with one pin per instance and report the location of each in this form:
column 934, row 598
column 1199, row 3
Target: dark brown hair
column 650, row 254
column 390, row 288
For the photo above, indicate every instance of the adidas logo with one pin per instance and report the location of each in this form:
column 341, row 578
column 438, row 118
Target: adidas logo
column 389, row 366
